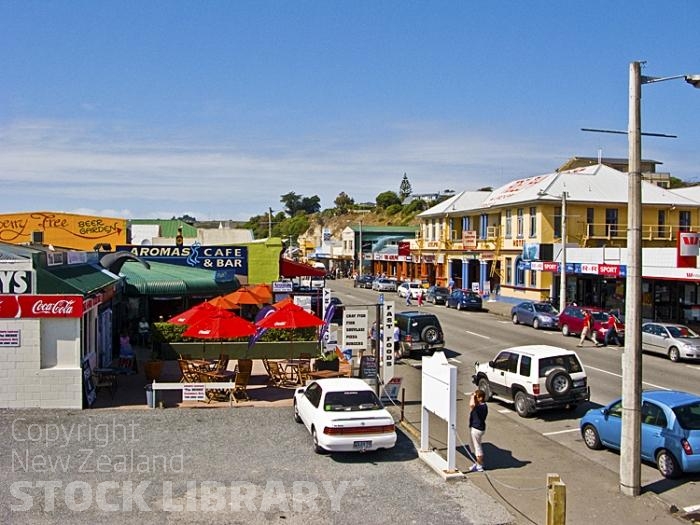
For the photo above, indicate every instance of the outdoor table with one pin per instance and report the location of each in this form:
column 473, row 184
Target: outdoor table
column 201, row 364
column 222, row 376
column 292, row 366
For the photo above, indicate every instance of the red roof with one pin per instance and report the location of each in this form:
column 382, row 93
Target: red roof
column 289, row 268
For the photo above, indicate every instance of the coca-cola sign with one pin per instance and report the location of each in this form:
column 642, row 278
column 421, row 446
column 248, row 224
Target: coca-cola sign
column 38, row 306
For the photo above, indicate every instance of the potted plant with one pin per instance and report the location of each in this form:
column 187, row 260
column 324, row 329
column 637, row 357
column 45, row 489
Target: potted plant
column 154, row 366
column 327, row 361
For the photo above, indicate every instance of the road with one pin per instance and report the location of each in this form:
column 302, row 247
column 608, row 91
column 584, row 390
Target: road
column 478, row 336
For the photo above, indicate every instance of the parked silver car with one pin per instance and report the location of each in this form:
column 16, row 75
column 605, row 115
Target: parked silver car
column 384, row 285
column 677, row 341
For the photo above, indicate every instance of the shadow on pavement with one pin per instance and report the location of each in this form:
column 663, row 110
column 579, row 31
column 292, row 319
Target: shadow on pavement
column 495, row 457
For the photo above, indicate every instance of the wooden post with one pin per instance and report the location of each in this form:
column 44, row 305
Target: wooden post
column 556, row 501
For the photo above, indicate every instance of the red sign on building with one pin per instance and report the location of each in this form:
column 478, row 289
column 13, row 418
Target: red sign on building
column 549, row 266
column 38, row 306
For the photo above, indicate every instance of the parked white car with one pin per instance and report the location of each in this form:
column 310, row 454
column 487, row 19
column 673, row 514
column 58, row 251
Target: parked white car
column 410, row 288
column 344, row 415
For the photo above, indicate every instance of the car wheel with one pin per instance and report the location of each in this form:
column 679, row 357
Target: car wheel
column 485, row 387
column 317, row 448
column 667, row 464
column 591, row 437
column 459, row 306
column 430, row 334
column 535, row 324
column 297, row 418
column 558, row 382
column 565, row 330
column 515, row 319
column 673, row 354
column 522, row 407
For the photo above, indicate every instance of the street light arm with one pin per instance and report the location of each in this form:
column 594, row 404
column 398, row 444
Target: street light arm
column 693, row 80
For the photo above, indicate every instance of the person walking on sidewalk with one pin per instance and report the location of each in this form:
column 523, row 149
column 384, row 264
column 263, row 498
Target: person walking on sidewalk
column 611, row 332
column 587, row 330
column 478, row 410
column 408, row 298
column 419, row 298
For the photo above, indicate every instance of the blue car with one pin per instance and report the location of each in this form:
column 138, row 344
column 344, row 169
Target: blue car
column 670, row 430
column 464, row 300
column 537, row 315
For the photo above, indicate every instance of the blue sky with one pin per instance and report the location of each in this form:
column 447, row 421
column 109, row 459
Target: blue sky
column 217, row 108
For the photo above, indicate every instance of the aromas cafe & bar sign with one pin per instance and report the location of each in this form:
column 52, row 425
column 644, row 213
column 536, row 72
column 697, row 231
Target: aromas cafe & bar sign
column 40, row 306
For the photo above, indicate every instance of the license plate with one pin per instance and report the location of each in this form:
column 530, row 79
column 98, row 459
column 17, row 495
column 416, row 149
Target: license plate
column 362, row 445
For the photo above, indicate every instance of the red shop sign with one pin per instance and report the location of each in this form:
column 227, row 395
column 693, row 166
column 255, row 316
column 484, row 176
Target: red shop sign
column 34, row 306
column 550, row 266
column 609, row 270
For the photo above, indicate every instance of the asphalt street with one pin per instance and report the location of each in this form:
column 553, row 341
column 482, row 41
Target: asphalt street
column 521, row 452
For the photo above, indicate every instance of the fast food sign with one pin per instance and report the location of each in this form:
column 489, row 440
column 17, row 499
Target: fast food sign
column 40, row 306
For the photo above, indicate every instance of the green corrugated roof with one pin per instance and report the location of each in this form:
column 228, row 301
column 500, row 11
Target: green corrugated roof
column 386, row 229
column 171, row 279
column 168, row 227
column 82, row 279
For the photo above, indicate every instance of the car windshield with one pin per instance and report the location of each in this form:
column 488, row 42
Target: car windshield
column 570, row 363
column 545, row 308
column 680, row 332
column 441, row 290
column 351, row 401
column 688, row 416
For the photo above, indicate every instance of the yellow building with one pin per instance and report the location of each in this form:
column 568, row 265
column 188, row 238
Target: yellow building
column 509, row 240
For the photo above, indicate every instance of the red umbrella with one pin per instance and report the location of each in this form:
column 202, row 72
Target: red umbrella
column 194, row 314
column 220, row 326
column 288, row 317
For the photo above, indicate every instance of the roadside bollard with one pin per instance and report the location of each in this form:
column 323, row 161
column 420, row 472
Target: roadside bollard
column 556, row 500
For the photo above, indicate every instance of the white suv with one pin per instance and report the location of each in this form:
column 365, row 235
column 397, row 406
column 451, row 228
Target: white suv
column 534, row 377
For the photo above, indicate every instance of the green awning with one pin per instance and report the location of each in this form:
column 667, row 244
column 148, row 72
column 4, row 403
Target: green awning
column 173, row 280
column 83, row 279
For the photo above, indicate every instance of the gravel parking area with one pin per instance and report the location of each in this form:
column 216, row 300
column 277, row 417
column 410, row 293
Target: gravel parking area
column 242, row 465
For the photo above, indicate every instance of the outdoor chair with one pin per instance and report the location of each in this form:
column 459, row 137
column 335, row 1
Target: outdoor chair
column 278, row 377
column 105, row 381
column 303, row 371
column 240, row 387
column 244, row 366
column 266, row 364
column 189, row 374
column 222, row 363
column 214, row 394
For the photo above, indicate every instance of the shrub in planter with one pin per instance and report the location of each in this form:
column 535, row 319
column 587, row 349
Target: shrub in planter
column 327, row 361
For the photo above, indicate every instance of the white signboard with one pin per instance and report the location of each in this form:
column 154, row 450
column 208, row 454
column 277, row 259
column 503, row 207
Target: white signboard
column 282, row 286
column 355, row 330
column 388, row 312
column 193, row 392
column 9, row 338
column 392, row 388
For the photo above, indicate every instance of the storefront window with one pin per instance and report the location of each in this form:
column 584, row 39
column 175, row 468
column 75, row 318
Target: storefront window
column 519, row 273
column 533, row 278
column 509, row 270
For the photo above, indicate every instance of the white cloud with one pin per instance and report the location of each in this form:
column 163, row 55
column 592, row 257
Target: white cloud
column 82, row 166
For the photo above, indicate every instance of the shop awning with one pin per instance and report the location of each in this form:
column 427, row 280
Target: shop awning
column 290, row 268
column 82, row 279
column 172, row 280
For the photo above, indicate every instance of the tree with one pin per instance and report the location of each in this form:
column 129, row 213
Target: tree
column 185, row 218
column 343, row 202
column 292, row 203
column 387, row 198
column 311, row 204
column 405, row 189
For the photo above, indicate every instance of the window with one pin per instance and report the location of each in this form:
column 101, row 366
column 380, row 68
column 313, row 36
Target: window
column 507, row 361
column 661, row 230
column 615, row 409
column 520, row 223
column 519, row 272
column 525, row 365
column 611, row 229
column 653, row 415
column 533, row 278
column 590, row 221
column 509, row 224
column 533, row 222
column 483, row 226
column 684, row 221
column 509, row 270
column 557, row 221
column 313, row 394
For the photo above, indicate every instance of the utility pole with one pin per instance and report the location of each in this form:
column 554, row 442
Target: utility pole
column 269, row 223
column 562, row 275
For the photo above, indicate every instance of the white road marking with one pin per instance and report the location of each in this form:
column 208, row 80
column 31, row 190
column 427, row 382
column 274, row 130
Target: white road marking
column 692, row 508
column 694, row 367
column 477, row 335
column 504, row 411
column 620, row 376
column 560, row 432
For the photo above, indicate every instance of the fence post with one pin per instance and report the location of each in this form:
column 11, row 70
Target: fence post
column 556, row 500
